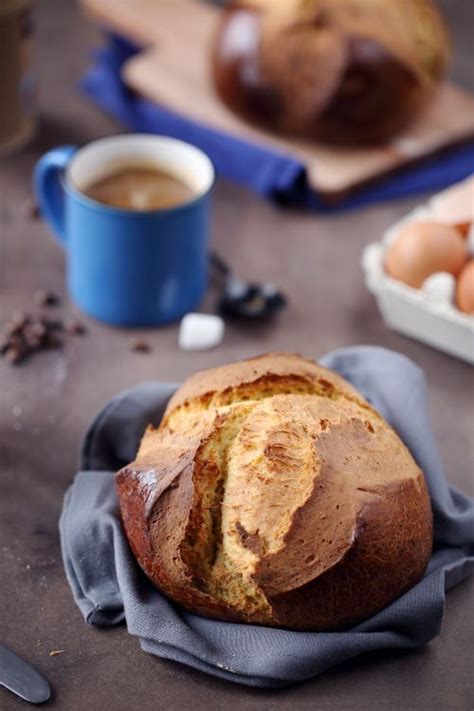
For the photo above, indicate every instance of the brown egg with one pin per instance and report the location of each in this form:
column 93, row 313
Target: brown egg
column 465, row 288
column 455, row 206
column 423, row 248
column 464, row 228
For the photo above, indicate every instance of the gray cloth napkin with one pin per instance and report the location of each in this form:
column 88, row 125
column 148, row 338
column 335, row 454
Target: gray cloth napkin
column 109, row 587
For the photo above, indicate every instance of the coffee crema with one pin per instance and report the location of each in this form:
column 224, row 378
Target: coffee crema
column 140, row 188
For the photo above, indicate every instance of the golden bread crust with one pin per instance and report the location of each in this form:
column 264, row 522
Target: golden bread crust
column 273, row 493
column 271, row 372
column 340, row 70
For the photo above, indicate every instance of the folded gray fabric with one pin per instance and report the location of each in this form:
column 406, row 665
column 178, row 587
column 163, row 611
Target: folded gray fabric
column 109, row 587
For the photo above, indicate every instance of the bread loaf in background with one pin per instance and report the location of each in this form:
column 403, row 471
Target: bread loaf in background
column 344, row 71
column 273, row 493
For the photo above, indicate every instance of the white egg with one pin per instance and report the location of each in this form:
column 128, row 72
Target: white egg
column 199, row 332
column 439, row 288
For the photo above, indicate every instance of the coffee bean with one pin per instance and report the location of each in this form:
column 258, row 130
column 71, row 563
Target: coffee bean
column 34, row 334
column 74, row 327
column 140, row 346
column 46, row 298
column 52, row 341
column 36, row 329
column 4, row 344
column 32, row 209
column 16, row 323
column 14, row 340
column 14, row 355
column 52, row 324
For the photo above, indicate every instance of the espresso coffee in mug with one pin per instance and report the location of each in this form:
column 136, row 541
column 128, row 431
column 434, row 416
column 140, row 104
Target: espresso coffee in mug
column 133, row 213
column 140, row 187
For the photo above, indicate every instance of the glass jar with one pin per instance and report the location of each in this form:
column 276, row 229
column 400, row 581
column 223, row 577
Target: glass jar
column 17, row 78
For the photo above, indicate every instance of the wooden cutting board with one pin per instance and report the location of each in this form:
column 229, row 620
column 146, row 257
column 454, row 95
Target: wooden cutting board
column 173, row 71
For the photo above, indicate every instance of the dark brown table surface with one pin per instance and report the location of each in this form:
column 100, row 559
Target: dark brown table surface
column 46, row 405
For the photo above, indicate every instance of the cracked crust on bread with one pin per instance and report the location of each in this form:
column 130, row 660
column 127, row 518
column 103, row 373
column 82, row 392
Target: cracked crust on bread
column 273, row 493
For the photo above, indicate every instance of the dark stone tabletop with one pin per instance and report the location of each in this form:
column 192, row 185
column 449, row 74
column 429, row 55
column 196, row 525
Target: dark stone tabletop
column 46, row 404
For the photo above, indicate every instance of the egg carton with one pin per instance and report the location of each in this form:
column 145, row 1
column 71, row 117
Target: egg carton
column 427, row 314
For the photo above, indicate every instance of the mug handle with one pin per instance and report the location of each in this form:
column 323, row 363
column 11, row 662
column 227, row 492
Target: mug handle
column 49, row 190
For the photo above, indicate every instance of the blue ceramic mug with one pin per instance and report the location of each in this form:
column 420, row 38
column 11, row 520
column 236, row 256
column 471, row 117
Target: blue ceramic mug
column 129, row 267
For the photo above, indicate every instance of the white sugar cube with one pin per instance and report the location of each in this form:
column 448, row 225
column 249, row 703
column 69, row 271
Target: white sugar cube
column 199, row 332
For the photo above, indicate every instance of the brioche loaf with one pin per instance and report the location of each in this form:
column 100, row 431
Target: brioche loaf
column 344, row 71
column 273, row 493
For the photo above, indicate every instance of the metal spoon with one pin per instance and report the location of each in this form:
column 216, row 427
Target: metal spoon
column 243, row 299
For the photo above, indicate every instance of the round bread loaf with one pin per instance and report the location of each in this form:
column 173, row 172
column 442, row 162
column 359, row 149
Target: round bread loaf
column 273, row 493
column 344, row 71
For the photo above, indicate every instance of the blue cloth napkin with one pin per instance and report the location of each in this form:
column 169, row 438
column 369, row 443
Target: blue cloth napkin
column 279, row 177
column 109, row 588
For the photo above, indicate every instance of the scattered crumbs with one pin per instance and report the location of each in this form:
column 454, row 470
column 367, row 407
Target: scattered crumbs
column 39, row 643
column 28, row 566
column 17, row 411
column 55, row 652
column 140, row 346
